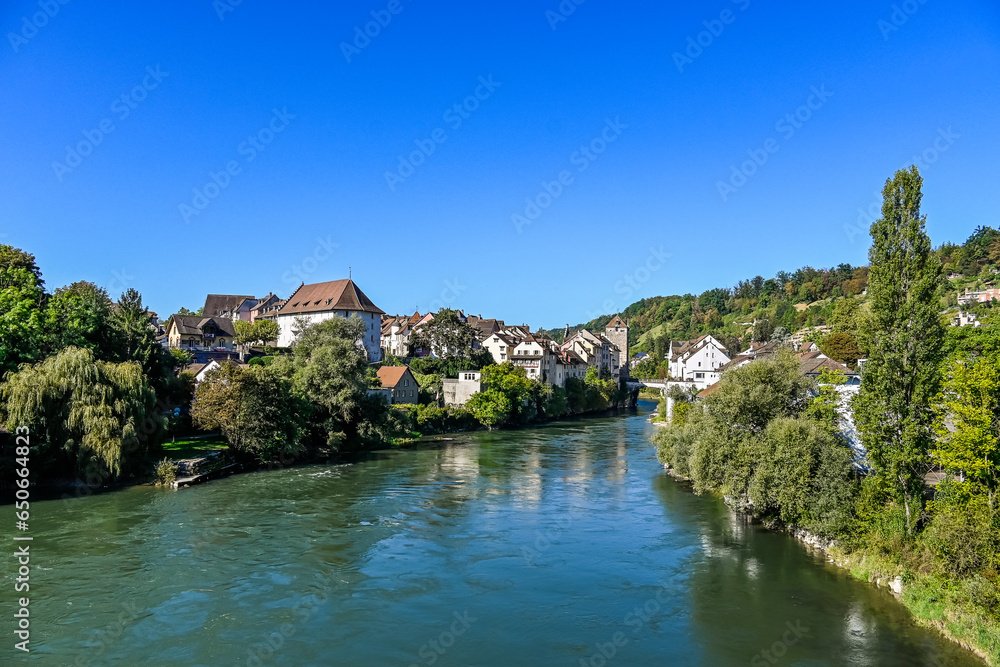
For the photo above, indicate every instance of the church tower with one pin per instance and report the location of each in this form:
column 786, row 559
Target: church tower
column 617, row 332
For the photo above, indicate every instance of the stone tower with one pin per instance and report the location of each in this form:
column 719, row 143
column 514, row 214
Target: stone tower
column 617, row 332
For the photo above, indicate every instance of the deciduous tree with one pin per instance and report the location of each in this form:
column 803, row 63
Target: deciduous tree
column 893, row 409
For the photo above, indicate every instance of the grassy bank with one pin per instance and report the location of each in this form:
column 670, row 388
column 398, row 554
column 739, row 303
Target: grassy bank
column 954, row 607
column 190, row 448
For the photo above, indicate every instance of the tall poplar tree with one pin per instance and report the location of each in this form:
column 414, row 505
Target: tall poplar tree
column 893, row 409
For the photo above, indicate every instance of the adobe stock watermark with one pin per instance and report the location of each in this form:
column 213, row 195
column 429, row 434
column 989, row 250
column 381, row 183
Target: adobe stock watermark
column 544, row 539
column 109, row 635
column 453, row 116
column 272, row 642
column 773, row 654
column 636, row 620
column 120, row 281
column 562, row 12
column 223, row 7
column 923, row 160
column 581, row 158
column 322, row 252
column 248, row 149
column 432, row 651
column 452, row 290
column 122, row 107
column 37, row 21
column 381, row 18
column 714, row 28
column 787, row 125
column 632, row 281
column 901, row 13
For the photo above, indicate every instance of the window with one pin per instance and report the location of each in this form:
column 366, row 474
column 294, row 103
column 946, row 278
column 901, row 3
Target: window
column 411, row 393
column 699, row 376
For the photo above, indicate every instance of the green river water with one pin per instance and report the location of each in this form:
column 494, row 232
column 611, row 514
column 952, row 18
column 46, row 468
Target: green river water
column 563, row 545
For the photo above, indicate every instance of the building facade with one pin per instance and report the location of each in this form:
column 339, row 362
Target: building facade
column 311, row 304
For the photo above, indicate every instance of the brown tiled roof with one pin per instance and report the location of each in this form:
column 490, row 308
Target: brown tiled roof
column 616, row 321
column 194, row 369
column 814, row 366
column 708, row 391
column 323, row 297
column 391, row 375
column 736, row 361
column 216, row 304
column 192, row 325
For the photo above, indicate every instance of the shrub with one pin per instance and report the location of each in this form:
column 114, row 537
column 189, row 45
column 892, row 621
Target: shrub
column 166, row 472
column 962, row 535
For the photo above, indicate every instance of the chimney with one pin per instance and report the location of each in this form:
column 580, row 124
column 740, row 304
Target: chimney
column 566, row 333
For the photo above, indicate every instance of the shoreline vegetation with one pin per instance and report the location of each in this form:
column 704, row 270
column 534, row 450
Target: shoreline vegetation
column 216, row 445
column 103, row 400
column 908, row 498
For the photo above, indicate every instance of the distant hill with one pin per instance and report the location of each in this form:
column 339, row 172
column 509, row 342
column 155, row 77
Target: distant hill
column 794, row 300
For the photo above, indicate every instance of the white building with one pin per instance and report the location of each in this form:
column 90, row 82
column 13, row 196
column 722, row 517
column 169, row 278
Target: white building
column 323, row 301
column 599, row 352
column 500, row 346
column 698, row 360
column 458, row 391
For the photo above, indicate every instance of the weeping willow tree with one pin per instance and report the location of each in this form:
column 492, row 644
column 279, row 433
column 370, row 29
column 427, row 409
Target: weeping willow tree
column 81, row 410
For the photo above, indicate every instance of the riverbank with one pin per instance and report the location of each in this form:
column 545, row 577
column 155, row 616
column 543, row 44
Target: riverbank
column 186, row 448
column 931, row 601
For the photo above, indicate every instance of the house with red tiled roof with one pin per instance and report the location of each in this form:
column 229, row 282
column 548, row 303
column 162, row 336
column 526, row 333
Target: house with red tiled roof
column 311, row 304
column 401, row 383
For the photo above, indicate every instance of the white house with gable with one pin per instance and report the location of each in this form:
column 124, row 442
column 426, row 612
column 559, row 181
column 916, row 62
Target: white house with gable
column 698, row 360
column 323, row 301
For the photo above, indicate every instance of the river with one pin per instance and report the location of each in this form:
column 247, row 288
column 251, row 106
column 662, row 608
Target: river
column 562, row 545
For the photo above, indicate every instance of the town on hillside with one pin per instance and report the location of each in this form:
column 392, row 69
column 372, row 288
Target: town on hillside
column 212, row 337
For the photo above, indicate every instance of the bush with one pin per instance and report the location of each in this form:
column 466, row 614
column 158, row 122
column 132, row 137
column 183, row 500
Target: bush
column 166, row 472
column 432, row 420
column 962, row 535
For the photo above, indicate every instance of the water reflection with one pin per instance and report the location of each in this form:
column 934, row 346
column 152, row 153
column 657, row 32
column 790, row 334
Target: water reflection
column 556, row 540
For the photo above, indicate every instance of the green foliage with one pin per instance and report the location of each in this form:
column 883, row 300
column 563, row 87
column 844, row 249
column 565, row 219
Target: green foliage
column 21, row 316
column 431, row 420
column 253, row 408
column 822, row 408
column 556, row 404
column 753, row 444
column 82, row 410
column 969, row 423
column 179, row 358
column 134, row 339
column 492, row 408
column 329, row 371
column 964, row 535
column 842, row 347
column 79, row 316
column 259, row 332
column 166, row 472
column 445, row 336
column 893, row 409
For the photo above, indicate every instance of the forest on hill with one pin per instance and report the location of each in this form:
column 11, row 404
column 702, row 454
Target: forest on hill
column 814, row 303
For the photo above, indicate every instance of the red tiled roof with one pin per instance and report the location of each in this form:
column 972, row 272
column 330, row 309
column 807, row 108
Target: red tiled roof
column 391, row 375
column 323, row 297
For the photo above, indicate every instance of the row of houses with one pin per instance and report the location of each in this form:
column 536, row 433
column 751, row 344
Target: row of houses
column 212, row 335
column 987, row 294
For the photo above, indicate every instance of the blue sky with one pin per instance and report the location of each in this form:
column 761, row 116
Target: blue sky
column 119, row 190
